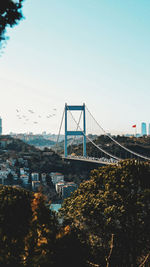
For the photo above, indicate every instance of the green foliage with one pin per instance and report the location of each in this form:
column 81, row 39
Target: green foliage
column 10, row 15
column 114, row 202
column 15, row 216
column 106, row 222
column 27, row 229
column 40, row 242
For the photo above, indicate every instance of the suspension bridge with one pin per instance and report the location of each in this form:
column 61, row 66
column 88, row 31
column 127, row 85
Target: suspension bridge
column 80, row 131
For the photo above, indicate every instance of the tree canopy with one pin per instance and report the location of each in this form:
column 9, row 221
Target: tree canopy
column 27, row 229
column 10, row 15
column 15, row 217
column 111, row 214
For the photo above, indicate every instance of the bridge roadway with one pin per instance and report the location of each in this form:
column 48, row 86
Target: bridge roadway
column 103, row 161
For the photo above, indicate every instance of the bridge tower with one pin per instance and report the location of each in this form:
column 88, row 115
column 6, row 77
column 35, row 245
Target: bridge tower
column 75, row 133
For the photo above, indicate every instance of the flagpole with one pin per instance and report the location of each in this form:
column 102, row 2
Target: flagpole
column 135, row 131
column 134, row 126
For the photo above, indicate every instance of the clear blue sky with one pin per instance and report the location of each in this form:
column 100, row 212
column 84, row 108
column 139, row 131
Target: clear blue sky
column 75, row 51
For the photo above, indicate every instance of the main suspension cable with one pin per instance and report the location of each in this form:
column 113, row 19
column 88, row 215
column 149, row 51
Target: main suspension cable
column 105, row 152
column 130, row 151
column 60, row 129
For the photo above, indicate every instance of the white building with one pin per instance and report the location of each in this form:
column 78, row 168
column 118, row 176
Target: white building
column 56, row 177
column 59, row 187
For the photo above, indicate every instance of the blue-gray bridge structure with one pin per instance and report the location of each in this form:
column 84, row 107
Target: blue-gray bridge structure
column 82, row 132
column 77, row 132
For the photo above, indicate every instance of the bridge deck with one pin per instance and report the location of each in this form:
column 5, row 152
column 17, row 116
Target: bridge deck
column 89, row 159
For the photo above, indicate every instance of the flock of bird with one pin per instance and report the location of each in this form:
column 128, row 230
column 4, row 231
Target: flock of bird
column 28, row 117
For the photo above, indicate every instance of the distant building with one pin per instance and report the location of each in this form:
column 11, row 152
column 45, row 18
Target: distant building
column 48, row 153
column 59, row 187
column 4, row 173
column 21, row 160
column 43, row 178
column 64, row 189
column 11, row 161
column 35, row 176
column 143, row 129
column 24, row 178
column 15, row 176
column 3, row 176
column 22, row 172
column 68, row 189
column 56, row 177
column 138, row 135
column 0, row 125
column 5, row 142
column 35, row 185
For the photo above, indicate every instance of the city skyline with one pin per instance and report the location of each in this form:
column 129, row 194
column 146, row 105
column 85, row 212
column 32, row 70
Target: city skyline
column 144, row 130
column 91, row 52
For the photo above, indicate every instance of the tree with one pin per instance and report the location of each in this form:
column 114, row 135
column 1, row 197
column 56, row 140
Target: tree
column 27, row 229
column 10, row 15
column 111, row 213
column 15, row 217
column 41, row 240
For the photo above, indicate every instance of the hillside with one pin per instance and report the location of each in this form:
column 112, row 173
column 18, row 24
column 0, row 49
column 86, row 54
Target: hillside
column 37, row 160
column 139, row 145
column 46, row 161
column 41, row 142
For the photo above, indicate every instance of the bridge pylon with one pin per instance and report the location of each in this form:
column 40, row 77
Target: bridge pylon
column 75, row 133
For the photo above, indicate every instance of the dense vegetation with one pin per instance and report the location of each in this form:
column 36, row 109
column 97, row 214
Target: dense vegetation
column 42, row 160
column 38, row 160
column 105, row 222
column 27, row 228
column 139, row 145
column 112, row 212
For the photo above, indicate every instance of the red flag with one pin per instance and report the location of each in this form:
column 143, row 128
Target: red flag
column 134, row 126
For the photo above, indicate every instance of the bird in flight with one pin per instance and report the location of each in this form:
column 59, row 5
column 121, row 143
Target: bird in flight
column 48, row 116
column 30, row 110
